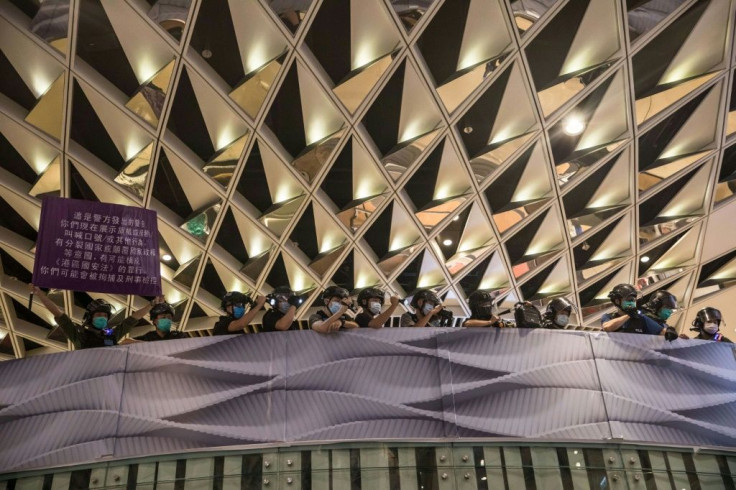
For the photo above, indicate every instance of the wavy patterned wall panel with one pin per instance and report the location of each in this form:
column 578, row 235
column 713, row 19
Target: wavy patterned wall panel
column 393, row 384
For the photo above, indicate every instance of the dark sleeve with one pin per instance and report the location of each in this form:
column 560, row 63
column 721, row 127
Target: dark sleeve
column 363, row 319
column 149, row 336
column 220, row 327
column 607, row 317
column 315, row 318
column 123, row 329
column 407, row 320
column 651, row 327
column 70, row 330
column 269, row 321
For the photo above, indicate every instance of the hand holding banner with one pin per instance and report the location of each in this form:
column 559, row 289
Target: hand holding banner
column 100, row 247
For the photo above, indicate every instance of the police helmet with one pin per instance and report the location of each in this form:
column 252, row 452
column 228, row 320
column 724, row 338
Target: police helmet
column 427, row 295
column 368, row 293
column 97, row 306
column 707, row 315
column 661, row 299
column 622, row 291
column 234, row 298
column 477, row 301
column 161, row 309
column 556, row 306
column 335, row 292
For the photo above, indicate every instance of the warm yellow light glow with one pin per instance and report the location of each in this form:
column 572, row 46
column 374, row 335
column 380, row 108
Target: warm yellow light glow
column 133, row 148
column 330, row 242
column 256, row 57
column 166, row 257
column 364, row 54
column 411, row 131
column 644, row 258
column 447, row 242
column 471, row 57
column 573, row 124
column 145, row 69
column 502, row 135
column 227, row 136
column 443, row 190
column 40, row 83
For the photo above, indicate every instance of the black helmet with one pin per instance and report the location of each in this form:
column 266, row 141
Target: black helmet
column 555, row 306
column 622, row 291
column 234, row 298
column 368, row 293
column 707, row 314
column 661, row 299
column 284, row 291
column 96, row 306
column 481, row 304
column 426, row 295
column 161, row 309
column 335, row 291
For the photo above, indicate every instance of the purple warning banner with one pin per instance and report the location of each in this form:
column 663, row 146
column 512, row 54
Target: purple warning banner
column 93, row 246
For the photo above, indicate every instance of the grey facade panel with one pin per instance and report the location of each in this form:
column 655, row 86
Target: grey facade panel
column 165, row 397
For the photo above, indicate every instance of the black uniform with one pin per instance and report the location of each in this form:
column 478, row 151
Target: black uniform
column 640, row 324
column 720, row 339
column 363, row 319
column 220, row 327
column 321, row 316
column 271, row 317
column 153, row 336
column 84, row 337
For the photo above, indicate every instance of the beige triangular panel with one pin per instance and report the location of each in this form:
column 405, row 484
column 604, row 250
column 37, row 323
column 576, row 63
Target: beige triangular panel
column 48, row 115
column 34, row 150
column 516, row 114
column 223, row 125
column 609, row 122
column 329, row 234
column 372, row 33
column 231, row 281
column 452, row 179
column 36, row 67
column 259, row 40
column 404, row 232
column 282, row 185
column 145, row 49
column 367, row 179
column 720, row 234
column 596, row 40
column 699, row 132
column 195, row 187
column 430, row 272
column 477, row 232
column 182, row 247
column 558, row 280
column 256, row 242
column 363, row 271
column 299, row 280
column 128, row 137
column 321, row 117
column 683, row 253
column 548, row 237
column 692, row 199
column 27, row 208
column 615, row 188
column 495, row 276
column 618, row 243
column 486, row 34
column 49, row 180
column 419, row 114
column 534, row 182
column 703, row 48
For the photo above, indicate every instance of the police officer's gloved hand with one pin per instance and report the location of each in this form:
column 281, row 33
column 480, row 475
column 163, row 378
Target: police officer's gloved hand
column 632, row 312
column 295, row 301
column 670, row 334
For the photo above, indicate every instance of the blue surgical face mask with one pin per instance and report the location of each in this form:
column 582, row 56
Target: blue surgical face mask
column 427, row 308
column 561, row 320
column 238, row 311
column 334, row 307
column 284, row 306
column 627, row 305
column 99, row 322
column 164, row 324
column 374, row 307
column 664, row 313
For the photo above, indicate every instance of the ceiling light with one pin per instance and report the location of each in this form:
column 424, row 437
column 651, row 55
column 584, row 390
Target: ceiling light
column 446, row 242
column 468, row 129
column 166, row 257
column 456, row 218
column 573, row 125
column 644, row 258
column 206, row 54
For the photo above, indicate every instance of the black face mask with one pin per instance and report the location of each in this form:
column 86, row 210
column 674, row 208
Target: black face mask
column 484, row 312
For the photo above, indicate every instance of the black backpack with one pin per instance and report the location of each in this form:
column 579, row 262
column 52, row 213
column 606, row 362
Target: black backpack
column 527, row 316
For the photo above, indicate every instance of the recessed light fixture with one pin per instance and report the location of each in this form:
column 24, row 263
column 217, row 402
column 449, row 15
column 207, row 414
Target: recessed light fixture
column 468, row 129
column 573, row 125
column 166, row 257
column 456, row 218
column 644, row 258
column 206, row 54
column 446, row 242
